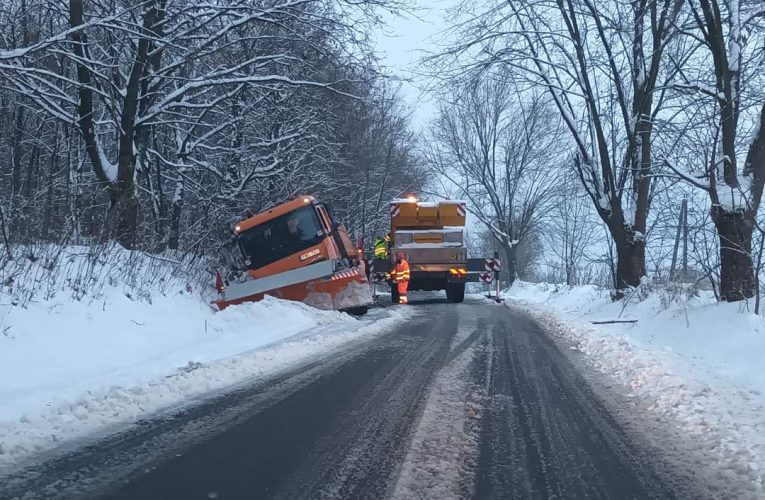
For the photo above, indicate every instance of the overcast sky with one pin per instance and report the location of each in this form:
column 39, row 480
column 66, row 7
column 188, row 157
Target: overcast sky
column 402, row 44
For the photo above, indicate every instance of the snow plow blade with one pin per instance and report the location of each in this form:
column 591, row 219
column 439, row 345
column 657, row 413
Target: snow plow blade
column 296, row 251
column 317, row 285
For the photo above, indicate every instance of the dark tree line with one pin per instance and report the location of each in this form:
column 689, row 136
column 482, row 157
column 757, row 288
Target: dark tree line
column 153, row 123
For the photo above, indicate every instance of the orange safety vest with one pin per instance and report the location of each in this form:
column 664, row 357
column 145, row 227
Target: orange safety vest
column 401, row 271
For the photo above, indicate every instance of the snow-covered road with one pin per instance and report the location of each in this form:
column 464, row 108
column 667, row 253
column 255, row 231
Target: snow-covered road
column 687, row 374
column 471, row 400
column 74, row 371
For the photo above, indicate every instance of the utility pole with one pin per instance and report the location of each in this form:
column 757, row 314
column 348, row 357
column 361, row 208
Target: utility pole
column 684, row 215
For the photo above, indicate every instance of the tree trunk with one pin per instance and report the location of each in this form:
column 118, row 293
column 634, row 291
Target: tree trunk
column 569, row 273
column 626, row 277
column 509, row 265
column 16, row 152
column 736, row 268
column 630, row 259
column 174, row 235
column 4, row 233
column 122, row 218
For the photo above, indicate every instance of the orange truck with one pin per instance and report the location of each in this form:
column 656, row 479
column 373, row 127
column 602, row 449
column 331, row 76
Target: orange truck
column 432, row 237
column 296, row 251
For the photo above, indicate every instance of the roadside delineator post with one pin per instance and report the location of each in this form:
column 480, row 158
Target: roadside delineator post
column 496, row 274
column 492, row 270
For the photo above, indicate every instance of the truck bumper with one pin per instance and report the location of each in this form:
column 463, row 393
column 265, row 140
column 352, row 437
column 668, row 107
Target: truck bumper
column 434, row 280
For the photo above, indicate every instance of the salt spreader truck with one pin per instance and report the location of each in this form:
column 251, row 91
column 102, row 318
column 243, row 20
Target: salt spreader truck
column 431, row 235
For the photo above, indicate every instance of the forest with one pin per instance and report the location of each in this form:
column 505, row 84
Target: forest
column 595, row 142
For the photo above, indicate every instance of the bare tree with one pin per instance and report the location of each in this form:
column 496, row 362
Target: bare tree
column 583, row 53
column 494, row 146
column 129, row 72
column 729, row 100
column 734, row 203
column 569, row 230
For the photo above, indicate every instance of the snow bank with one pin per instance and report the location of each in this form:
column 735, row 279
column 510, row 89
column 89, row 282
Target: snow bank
column 690, row 361
column 716, row 341
column 70, row 368
column 48, row 272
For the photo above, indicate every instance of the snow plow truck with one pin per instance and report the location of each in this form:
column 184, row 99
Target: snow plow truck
column 296, row 251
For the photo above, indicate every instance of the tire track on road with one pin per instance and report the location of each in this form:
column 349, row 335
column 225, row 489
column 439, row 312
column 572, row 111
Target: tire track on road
column 544, row 434
column 441, row 458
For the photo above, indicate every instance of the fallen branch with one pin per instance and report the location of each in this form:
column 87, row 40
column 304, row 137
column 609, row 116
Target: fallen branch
column 614, row 321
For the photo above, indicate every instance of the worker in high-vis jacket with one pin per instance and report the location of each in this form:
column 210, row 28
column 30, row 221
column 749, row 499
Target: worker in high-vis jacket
column 381, row 248
column 402, row 276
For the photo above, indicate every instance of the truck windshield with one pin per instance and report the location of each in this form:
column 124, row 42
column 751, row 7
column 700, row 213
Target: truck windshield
column 280, row 237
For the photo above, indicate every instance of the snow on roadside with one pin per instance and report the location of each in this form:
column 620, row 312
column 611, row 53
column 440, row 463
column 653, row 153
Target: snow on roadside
column 690, row 362
column 69, row 369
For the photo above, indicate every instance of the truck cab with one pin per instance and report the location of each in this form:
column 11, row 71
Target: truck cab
column 292, row 235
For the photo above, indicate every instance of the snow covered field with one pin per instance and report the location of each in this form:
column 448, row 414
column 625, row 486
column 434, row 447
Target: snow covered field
column 696, row 365
column 69, row 368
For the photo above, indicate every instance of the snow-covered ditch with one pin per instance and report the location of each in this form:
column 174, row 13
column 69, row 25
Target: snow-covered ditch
column 694, row 364
column 70, row 368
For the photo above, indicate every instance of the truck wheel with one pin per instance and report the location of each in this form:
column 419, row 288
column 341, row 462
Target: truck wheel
column 394, row 293
column 455, row 292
